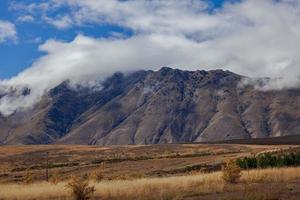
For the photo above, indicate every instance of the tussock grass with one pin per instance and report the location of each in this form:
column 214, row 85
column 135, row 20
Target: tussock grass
column 41, row 190
column 80, row 188
column 160, row 188
column 149, row 188
column 271, row 175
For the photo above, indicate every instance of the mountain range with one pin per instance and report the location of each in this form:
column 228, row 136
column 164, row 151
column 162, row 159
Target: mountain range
column 155, row 107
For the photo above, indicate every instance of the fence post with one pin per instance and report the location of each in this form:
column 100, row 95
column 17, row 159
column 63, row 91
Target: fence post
column 47, row 166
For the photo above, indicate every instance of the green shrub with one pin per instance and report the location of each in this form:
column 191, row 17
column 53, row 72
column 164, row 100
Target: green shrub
column 266, row 160
column 270, row 160
column 247, row 162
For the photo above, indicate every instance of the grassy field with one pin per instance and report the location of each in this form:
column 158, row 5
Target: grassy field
column 268, row 184
column 121, row 161
column 144, row 172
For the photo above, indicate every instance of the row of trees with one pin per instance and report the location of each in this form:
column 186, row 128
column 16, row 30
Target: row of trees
column 270, row 160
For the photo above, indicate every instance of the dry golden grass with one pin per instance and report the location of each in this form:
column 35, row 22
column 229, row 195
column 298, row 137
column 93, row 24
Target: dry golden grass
column 160, row 188
column 150, row 188
column 41, row 190
column 271, row 175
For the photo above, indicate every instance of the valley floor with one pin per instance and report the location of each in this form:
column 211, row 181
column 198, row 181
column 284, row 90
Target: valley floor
column 154, row 172
column 121, row 162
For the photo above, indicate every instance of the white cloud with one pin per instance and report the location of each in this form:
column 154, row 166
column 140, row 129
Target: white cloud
column 7, row 31
column 31, row 8
column 62, row 22
column 241, row 37
column 25, row 18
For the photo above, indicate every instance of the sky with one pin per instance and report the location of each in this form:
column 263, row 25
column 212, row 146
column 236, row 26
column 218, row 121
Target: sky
column 45, row 42
column 19, row 51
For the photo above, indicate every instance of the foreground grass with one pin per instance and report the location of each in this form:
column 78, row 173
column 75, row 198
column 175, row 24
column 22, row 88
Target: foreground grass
column 166, row 188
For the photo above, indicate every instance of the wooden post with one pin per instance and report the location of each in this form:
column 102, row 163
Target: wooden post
column 47, row 166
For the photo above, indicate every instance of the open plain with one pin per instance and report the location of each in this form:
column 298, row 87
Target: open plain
column 177, row 171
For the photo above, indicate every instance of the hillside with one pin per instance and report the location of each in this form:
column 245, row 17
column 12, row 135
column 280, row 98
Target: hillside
column 155, row 107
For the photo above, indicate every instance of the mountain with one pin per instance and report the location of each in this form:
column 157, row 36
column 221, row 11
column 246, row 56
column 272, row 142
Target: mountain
column 151, row 107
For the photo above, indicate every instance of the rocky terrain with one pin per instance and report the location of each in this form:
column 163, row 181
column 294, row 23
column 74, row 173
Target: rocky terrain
column 151, row 107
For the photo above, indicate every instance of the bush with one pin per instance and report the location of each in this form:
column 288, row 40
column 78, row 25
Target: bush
column 297, row 159
column 247, row 162
column 266, row 160
column 80, row 189
column 289, row 159
column 270, row 160
column 231, row 172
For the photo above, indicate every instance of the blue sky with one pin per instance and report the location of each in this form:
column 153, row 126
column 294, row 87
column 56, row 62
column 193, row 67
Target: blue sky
column 20, row 54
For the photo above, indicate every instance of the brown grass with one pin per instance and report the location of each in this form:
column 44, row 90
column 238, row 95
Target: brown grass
column 152, row 188
column 133, row 161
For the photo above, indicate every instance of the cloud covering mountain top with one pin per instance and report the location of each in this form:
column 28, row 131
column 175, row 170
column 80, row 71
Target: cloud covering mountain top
column 255, row 38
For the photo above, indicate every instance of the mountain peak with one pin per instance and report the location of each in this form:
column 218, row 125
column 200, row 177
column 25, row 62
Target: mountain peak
column 149, row 107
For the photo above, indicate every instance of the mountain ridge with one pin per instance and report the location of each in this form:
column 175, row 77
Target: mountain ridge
column 151, row 107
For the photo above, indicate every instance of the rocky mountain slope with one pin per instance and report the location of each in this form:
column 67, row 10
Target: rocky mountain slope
column 150, row 107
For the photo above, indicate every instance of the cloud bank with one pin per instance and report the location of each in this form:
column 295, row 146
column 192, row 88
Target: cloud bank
column 255, row 38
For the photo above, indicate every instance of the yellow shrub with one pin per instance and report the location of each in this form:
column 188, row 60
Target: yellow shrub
column 231, row 172
column 80, row 189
